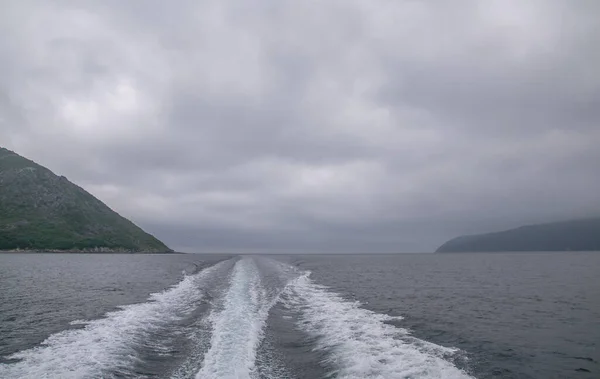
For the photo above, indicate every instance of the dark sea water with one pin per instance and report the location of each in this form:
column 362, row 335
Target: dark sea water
column 512, row 315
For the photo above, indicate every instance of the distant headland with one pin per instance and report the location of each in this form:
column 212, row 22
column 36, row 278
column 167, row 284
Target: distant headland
column 574, row 235
column 40, row 211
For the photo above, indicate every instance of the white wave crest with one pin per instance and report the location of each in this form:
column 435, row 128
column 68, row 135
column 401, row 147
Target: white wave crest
column 107, row 343
column 359, row 342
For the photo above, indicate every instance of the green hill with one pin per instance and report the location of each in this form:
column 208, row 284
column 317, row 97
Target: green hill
column 581, row 235
column 42, row 211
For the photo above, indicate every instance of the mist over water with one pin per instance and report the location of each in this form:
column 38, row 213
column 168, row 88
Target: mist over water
column 297, row 317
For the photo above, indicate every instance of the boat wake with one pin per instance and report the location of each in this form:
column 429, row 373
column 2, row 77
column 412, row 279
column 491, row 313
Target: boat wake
column 109, row 346
column 359, row 343
column 213, row 324
column 237, row 327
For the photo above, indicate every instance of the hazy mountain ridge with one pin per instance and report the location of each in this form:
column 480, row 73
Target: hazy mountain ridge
column 576, row 235
column 42, row 211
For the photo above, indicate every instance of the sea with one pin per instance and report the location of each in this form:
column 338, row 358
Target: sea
column 417, row 316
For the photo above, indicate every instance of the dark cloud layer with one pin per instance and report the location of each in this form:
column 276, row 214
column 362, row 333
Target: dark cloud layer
column 372, row 126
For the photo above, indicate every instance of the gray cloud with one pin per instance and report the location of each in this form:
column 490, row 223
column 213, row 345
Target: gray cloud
column 298, row 126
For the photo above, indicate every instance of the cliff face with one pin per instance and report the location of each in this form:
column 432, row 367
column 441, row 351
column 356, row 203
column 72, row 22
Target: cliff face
column 42, row 211
column 582, row 235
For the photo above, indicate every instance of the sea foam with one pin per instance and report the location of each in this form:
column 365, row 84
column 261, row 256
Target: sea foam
column 238, row 326
column 359, row 343
column 107, row 344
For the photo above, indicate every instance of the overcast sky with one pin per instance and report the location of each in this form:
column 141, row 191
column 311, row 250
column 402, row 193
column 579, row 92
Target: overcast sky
column 321, row 126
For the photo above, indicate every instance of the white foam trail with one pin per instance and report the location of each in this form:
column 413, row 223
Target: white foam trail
column 107, row 343
column 238, row 327
column 358, row 341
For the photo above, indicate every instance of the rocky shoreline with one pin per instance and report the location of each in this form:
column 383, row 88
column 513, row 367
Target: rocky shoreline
column 85, row 251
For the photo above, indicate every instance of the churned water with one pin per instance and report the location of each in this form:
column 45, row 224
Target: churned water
column 534, row 315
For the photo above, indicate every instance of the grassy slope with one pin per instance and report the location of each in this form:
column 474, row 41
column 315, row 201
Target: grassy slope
column 41, row 211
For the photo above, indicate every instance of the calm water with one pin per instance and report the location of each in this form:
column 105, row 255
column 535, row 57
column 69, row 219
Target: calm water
column 534, row 315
